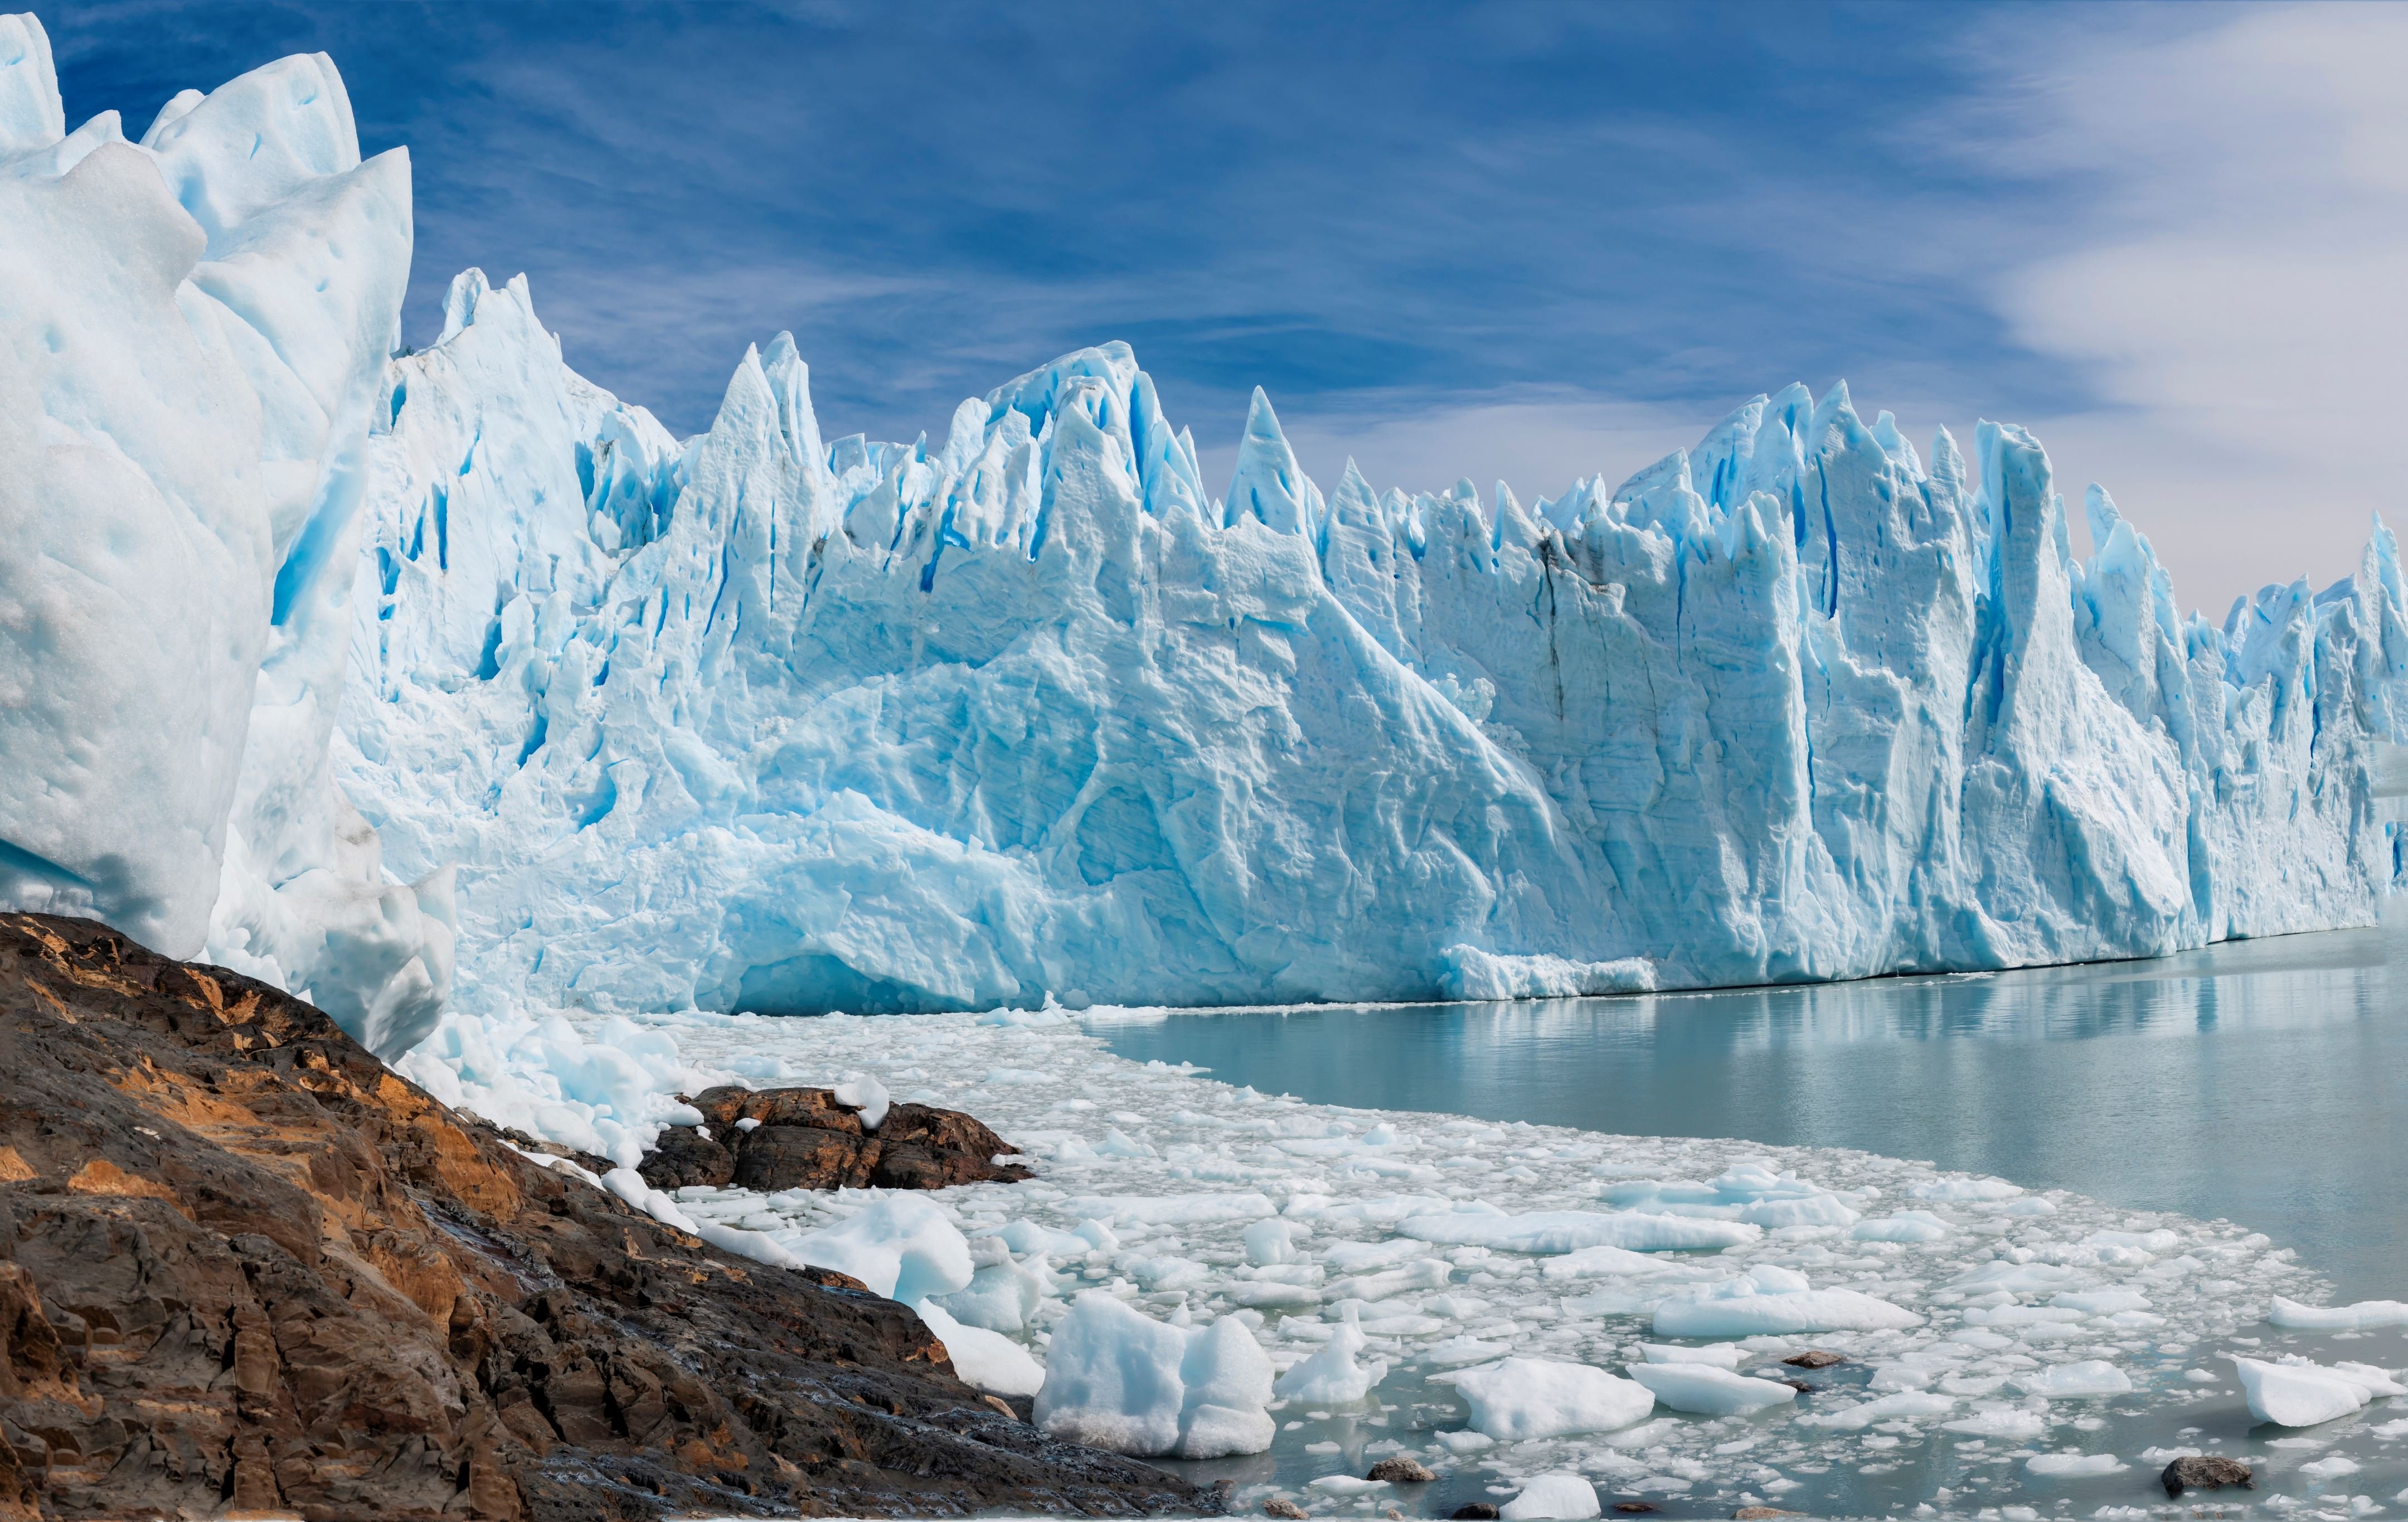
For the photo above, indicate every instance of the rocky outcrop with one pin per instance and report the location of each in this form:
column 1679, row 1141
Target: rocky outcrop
column 2209, row 1473
column 804, row 1139
column 244, row 1267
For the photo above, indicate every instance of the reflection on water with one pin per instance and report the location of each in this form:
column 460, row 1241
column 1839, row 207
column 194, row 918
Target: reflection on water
column 2263, row 1082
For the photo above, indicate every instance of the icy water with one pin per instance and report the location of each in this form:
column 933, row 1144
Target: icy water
column 2264, row 1083
column 2164, row 1121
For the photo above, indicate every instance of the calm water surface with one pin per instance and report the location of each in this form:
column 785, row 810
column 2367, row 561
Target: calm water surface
column 2261, row 1082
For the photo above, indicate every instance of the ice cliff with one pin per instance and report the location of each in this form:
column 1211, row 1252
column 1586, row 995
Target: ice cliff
column 193, row 331
column 762, row 720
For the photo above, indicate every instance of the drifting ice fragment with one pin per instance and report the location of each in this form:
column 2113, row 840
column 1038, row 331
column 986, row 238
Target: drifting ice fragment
column 1564, row 1496
column 2359, row 1317
column 2303, row 1394
column 1522, row 1399
column 1332, row 1377
column 1121, row 1380
column 2064, row 1381
column 1570, row 1230
column 1769, row 1299
column 1710, row 1391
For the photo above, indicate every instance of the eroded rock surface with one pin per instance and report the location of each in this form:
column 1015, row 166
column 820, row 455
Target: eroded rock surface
column 803, row 1139
column 246, row 1268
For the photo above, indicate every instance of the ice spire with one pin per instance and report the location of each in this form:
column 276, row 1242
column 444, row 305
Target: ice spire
column 1269, row 483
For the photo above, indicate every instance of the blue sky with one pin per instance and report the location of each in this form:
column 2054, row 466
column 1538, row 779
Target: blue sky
column 1525, row 240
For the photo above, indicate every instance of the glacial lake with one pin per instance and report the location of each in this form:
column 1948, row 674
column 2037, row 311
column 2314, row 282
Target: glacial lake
column 2261, row 1082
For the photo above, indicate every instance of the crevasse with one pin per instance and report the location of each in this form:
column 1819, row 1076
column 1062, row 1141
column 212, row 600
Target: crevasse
column 761, row 720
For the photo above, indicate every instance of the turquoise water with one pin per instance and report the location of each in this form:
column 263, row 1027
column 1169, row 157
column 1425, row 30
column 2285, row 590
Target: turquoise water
column 2262, row 1081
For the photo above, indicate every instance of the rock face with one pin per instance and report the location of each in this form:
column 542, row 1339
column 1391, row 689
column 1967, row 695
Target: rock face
column 803, row 1139
column 245, row 1266
column 2205, row 1473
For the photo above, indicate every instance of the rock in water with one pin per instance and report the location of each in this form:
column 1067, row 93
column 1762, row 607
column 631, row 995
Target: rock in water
column 1813, row 1357
column 807, row 1139
column 1399, row 1470
column 243, row 1264
column 2206, row 1473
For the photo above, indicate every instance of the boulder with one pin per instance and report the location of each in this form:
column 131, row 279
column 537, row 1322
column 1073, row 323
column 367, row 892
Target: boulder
column 2205, row 1472
column 806, row 1139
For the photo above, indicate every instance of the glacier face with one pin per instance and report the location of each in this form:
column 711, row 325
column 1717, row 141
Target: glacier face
column 761, row 720
column 193, row 331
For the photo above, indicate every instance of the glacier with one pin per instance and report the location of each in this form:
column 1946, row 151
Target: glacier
column 193, row 330
column 444, row 680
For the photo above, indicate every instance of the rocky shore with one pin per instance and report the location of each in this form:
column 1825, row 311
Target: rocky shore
column 246, row 1269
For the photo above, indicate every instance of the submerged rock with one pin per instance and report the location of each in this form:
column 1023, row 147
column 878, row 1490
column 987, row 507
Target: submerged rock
column 245, row 1266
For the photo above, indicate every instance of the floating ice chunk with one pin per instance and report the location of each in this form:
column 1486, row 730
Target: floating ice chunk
column 1024, row 1019
column 2330, row 1467
column 1120, row 1380
column 2027, row 1205
column 1470, row 973
column 1455, row 1352
column 1997, row 1419
column 1602, row 1262
column 2066, row 1380
column 1769, row 1299
column 1333, row 1376
column 1346, row 1484
column 864, row 1093
column 2068, row 1466
column 2361, row 1316
column 902, row 1247
column 1717, row 1355
column 986, row 1359
column 1906, row 1225
column 2102, row 1302
column 2017, row 1278
column 1710, row 1391
column 2304, row 1393
column 1522, row 1399
column 1570, row 1230
column 1170, row 1210
column 1966, row 1189
column 1902, row 1406
column 1566, row 1496
column 1270, row 1242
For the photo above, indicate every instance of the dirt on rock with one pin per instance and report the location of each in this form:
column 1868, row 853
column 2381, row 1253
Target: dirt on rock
column 245, row 1268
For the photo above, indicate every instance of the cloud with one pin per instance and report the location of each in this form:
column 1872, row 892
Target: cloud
column 2229, row 284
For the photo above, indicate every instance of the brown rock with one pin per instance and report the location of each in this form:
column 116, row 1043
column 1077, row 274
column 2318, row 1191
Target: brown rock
column 803, row 1139
column 1282, row 1507
column 1759, row 1514
column 1813, row 1357
column 2207, row 1473
column 244, row 1267
column 683, row 1155
column 1398, row 1469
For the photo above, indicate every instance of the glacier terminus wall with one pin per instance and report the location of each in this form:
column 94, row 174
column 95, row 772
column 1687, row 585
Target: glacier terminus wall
column 453, row 643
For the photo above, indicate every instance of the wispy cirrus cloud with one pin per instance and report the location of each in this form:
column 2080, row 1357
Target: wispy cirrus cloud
column 1501, row 241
